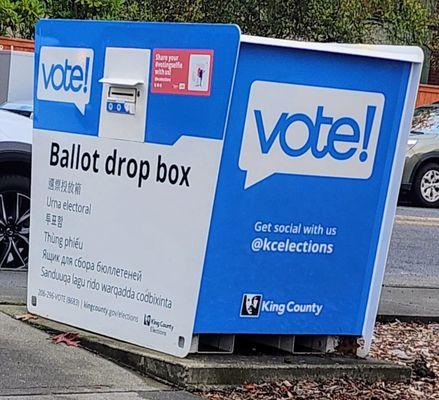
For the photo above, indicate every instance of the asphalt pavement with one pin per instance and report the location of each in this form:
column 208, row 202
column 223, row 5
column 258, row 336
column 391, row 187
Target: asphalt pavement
column 411, row 282
column 414, row 250
column 413, row 260
column 13, row 286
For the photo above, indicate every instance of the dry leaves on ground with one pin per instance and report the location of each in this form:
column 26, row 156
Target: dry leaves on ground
column 25, row 317
column 69, row 338
column 413, row 344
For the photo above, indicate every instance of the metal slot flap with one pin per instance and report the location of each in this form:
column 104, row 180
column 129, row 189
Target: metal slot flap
column 121, row 93
column 122, row 81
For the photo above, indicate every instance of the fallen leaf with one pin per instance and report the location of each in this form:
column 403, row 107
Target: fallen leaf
column 410, row 343
column 416, row 392
column 25, row 317
column 69, row 338
column 402, row 355
column 250, row 386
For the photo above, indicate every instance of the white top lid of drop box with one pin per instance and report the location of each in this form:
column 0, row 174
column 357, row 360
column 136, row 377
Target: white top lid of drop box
column 411, row 54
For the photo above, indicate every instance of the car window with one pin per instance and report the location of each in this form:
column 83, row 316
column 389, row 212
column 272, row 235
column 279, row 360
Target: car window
column 426, row 120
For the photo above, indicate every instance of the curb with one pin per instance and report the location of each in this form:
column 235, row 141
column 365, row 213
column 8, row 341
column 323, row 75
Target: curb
column 203, row 372
column 409, row 303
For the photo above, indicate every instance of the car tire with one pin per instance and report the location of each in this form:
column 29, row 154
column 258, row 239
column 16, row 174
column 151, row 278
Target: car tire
column 14, row 222
column 425, row 188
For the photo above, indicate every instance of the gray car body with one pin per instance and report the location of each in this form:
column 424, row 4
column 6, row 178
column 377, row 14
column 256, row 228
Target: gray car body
column 16, row 87
column 426, row 150
column 15, row 143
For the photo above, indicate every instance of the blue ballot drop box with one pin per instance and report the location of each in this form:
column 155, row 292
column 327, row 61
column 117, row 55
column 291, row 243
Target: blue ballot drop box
column 188, row 180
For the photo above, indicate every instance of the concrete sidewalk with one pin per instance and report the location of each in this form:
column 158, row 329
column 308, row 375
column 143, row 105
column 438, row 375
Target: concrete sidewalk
column 13, row 287
column 31, row 367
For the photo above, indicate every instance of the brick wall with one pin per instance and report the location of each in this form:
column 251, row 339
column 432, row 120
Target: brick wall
column 16, row 44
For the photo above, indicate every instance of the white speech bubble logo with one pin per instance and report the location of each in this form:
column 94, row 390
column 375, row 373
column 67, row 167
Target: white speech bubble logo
column 308, row 130
column 64, row 75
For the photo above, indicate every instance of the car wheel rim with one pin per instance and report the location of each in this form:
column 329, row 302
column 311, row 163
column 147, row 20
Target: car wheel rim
column 14, row 230
column 430, row 186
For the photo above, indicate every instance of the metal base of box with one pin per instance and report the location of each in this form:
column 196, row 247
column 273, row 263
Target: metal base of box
column 288, row 344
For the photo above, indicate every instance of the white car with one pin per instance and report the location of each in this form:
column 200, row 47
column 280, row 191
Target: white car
column 16, row 77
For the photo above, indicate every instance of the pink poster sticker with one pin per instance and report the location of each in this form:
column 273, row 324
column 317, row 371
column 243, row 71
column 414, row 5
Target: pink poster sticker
column 186, row 72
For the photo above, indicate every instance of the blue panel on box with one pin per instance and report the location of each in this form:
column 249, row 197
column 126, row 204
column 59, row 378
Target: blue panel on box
column 169, row 116
column 116, row 107
column 301, row 194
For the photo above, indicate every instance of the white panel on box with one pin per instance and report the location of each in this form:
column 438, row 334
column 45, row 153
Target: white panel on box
column 119, row 254
column 124, row 93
